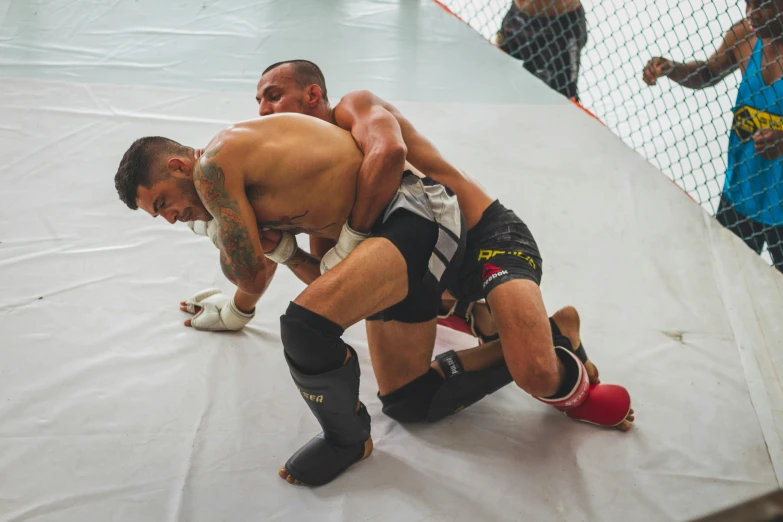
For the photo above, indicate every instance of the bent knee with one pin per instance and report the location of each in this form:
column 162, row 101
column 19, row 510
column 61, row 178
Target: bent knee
column 411, row 402
column 539, row 377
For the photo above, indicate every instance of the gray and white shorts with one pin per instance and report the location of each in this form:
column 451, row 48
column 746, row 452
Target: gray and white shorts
column 426, row 225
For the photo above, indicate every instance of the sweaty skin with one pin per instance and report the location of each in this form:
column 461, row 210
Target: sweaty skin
column 309, row 193
column 422, row 154
column 255, row 177
column 381, row 132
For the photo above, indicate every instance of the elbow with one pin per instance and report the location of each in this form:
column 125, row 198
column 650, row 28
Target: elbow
column 250, row 281
column 707, row 78
column 394, row 154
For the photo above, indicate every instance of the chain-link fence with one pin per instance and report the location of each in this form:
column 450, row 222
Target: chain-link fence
column 688, row 133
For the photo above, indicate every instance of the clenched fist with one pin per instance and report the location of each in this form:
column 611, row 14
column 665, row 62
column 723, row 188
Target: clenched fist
column 656, row 68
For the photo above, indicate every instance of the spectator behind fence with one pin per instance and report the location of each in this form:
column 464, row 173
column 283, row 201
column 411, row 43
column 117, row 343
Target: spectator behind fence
column 548, row 36
column 751, row 204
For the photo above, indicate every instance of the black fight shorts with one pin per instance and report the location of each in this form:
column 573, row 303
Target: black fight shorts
column 499, row 248
column 426, row 225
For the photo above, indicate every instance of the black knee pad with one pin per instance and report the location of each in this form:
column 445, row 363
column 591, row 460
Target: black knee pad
column 411, row 403
column 312, row 342
column 431, row 397
column 462, row 388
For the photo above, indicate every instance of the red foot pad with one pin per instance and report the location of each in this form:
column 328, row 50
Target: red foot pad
column 602, row 404
column 605, row 405
column 456, row 323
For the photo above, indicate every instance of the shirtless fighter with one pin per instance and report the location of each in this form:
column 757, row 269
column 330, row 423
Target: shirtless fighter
column 297, row 174
column 502, row 264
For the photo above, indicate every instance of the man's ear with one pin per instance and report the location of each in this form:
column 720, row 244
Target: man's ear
column 178, row 167
column 314, row 95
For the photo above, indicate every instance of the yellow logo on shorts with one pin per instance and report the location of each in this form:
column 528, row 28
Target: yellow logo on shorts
column 747, row 120
column 311, row 397
column 489, row 254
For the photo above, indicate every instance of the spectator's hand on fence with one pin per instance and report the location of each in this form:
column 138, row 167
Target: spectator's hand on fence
column 769, row 143
column 656, row 68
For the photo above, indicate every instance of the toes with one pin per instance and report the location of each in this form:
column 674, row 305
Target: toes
column 283, row 473
column 624, row 426
column 592, row 373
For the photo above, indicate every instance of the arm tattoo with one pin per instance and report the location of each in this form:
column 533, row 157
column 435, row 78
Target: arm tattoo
column 302, row 258
column 238, row 257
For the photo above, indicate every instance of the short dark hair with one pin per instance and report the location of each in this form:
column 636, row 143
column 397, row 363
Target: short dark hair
column 136, row 166
column 306, row 72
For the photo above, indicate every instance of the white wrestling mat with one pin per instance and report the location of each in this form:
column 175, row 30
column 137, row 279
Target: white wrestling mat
column 111, row 410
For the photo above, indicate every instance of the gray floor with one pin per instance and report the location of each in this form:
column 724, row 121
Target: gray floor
column 111, row 410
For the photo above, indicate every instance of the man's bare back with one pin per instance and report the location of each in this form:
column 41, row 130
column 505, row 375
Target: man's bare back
column 299, row 172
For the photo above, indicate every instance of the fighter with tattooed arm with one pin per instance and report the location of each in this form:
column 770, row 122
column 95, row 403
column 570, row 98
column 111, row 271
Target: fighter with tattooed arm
column 296, row 174
column 250, row 178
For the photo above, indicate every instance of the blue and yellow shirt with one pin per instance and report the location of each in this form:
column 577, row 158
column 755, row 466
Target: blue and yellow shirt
column 754, row 185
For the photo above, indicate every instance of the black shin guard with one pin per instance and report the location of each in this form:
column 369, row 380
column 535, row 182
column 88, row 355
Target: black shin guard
column 558, row 339
column 431, row 397
column 411, row 403
column 461, row 388
column 311, row 341
column 331, row 394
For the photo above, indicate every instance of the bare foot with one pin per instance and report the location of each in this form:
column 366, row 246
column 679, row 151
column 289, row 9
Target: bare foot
column 626, row 424
column 567, row 320
column 592, row 372
column 283, row 473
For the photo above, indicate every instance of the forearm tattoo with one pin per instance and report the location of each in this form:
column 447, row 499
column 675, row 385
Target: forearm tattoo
column 238, row 257
column 302, row 258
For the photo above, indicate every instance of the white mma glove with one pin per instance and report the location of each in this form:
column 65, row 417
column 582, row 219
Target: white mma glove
column 348, row 240
column 284, row 250
column 205, row 228
column 217, row 312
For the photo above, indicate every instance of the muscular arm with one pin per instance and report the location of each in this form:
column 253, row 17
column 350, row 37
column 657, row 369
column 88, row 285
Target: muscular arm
column 700, row 74
column 305, row 266
column 378, row 135
column 247, row 301
column 241, row 257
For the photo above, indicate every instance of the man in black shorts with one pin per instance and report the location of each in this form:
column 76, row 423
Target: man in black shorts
column 247, row 184
column 548, row 36
column 542, row 355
